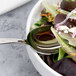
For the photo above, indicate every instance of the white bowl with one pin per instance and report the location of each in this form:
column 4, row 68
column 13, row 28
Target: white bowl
column 38, row 63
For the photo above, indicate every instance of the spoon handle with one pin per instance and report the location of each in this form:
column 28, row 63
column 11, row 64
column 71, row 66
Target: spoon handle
column 11, row 40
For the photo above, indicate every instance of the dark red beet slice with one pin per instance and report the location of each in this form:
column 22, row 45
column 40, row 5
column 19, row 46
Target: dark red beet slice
column 60, row 17
column 68, row 5
column 66, row 67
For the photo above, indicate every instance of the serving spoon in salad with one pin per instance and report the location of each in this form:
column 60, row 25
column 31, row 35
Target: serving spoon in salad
column 41, row 39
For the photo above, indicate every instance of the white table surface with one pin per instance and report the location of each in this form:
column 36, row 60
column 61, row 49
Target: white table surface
column 14, row 60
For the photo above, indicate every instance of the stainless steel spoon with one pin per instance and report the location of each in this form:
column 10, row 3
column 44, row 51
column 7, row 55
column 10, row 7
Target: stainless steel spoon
column 41, row 46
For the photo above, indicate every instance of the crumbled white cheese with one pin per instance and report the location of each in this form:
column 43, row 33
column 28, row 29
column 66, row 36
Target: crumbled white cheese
column 72, row 29
column 65, row 31
column 63, row 27
column 59, row 33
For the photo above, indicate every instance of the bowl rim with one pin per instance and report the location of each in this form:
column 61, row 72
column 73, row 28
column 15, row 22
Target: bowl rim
column 28, row 29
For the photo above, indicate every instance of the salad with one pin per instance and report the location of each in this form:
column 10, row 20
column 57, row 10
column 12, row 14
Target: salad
column 56, row 27
column 60, row 18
